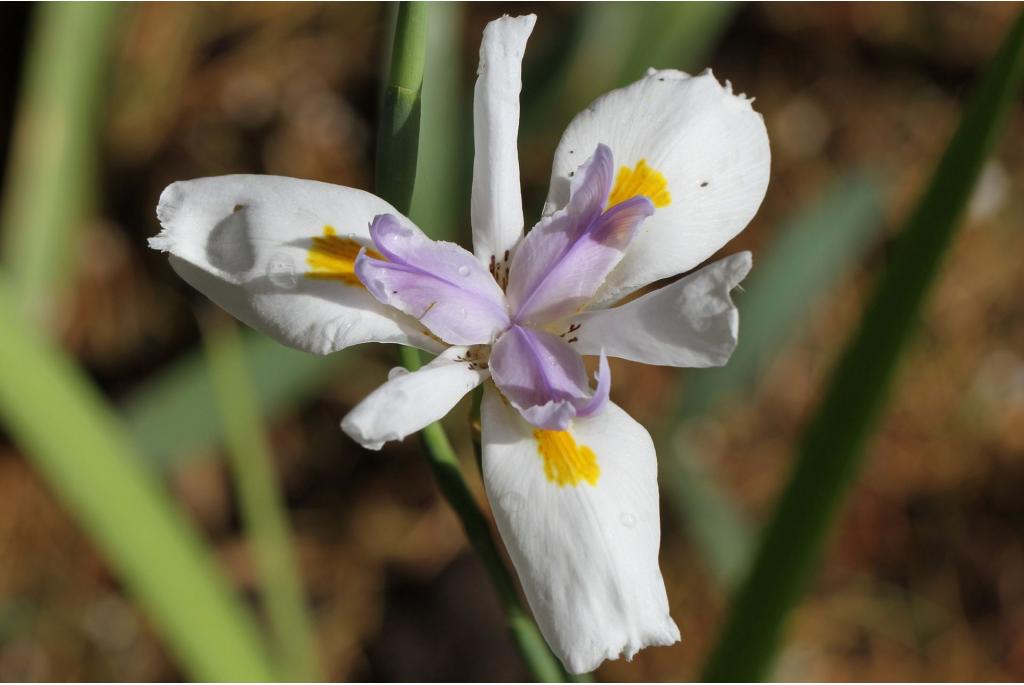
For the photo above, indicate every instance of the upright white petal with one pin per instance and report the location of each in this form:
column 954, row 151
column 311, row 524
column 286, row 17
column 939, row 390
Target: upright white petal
column 278, row 253
column 696, row 149
column 578, row 512
column 690, row 323
column 409, row 402
column 497, row 204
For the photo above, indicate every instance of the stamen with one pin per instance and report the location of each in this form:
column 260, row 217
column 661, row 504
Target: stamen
column 427, row 310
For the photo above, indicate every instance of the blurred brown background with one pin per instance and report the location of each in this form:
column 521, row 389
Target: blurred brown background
column 924, row 577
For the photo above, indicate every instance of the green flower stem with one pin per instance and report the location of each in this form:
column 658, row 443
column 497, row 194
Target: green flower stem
column 397, row 151
column 832, row 447
column 444, row 464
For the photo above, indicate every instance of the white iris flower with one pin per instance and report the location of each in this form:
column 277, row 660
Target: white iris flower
column 647, row 183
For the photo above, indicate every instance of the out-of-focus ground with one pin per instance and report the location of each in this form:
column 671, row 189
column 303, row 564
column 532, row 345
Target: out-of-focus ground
column 924, row 577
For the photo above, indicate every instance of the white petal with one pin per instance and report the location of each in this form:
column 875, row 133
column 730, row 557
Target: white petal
column 710, row 146
column 497, row 204
column 261, row 248
column 690, row 323
column 586, row 553
column 411, row 401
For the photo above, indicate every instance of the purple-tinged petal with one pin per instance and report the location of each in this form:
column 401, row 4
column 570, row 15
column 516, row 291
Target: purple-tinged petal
column 706, row 150
column 598, row 402
column 591, row 185
column 570, row 279
column 543, row 377
column 553, row 416
column 442, row 285
column 536, row 367
column 550, row 239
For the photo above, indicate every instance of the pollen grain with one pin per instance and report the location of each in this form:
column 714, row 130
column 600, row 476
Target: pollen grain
column 565, row 462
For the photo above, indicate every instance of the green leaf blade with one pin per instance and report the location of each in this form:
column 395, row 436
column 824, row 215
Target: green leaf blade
column 85, row 455
column 173, row 415
column 261, row 505
column 52, row 167
column 830, row 452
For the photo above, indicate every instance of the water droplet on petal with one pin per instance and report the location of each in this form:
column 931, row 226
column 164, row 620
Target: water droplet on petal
column 462, row 311
column 463, row 270
column 397, row 372
column 281, row 271
column 340, row 333
column 627, row 519
column 512, row 502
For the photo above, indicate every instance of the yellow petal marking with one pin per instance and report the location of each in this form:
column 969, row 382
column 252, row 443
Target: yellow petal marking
column 333, row 258
column 565, row 462
column 640, row 180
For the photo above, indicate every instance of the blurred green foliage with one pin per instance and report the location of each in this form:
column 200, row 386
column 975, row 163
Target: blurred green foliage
column 79, row 445
column 173, row 415
column 68, row 429
column 52, row 172
column 261, row 505
column 812, row 253
column 832, row 447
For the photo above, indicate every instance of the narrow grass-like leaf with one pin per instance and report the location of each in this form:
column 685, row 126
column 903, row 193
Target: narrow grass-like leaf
column 815, row 250
column 174, row 413
column 831, row 448
column 398, row 136
column 676, row 35
column 260, row 503
column 444, row 163
column 86, row 456
column 614, row 45
column 51, row 172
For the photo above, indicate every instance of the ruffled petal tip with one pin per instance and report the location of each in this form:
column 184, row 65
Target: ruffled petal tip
column 587, row 661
